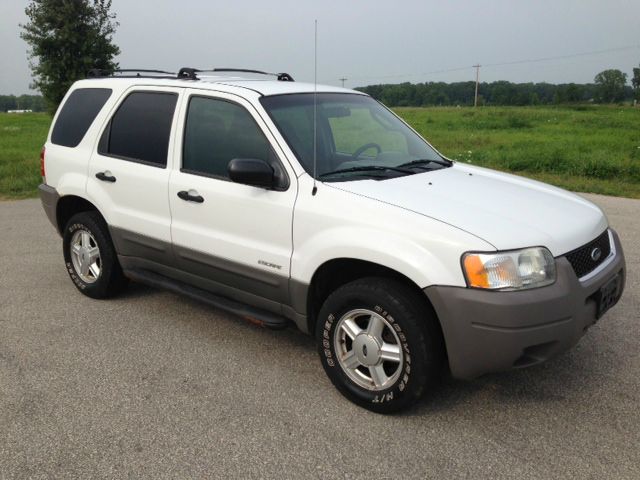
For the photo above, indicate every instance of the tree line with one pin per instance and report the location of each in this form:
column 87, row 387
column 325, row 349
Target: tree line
column 435, row 93
column 503, row 93
column 22, row 102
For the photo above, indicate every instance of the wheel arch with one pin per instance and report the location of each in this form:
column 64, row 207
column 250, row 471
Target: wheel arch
column 68, row 206
column 334, row 273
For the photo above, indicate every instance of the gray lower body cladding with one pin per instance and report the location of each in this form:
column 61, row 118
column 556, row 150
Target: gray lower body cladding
column 49, row 198
column 241, row 283
column 491, row 331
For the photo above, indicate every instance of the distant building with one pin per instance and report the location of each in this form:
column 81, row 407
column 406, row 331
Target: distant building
column 19, row 111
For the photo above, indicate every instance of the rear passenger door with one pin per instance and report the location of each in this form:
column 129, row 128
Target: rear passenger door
column 236, row 237
column 128, row 174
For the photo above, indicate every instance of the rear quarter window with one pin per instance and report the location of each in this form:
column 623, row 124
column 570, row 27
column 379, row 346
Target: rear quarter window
column 77, row 115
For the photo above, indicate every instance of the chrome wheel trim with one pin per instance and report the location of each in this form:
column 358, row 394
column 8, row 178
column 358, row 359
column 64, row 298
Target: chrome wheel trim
column 85, row 256
column 368, row 349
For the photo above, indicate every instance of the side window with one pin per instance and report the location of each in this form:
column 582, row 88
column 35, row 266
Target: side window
column 140, row 128
column 77, row 115
column 216, row 132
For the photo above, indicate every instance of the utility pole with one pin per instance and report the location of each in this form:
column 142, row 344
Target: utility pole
column 477, row 67
column 343, row 80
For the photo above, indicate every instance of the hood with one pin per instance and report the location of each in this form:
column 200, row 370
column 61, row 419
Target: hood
column 507, row 211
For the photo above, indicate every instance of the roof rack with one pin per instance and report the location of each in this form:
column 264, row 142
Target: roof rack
column 139, row 72
column 185, row 73
column 191, row 73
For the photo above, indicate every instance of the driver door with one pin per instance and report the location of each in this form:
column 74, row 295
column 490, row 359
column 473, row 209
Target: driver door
column 235, row 239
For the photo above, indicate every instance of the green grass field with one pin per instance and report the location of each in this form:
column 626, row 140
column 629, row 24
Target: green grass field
column 583, row 148
column 21, row 138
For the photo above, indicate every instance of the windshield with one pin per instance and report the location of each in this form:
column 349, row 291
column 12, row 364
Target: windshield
column 356, row 137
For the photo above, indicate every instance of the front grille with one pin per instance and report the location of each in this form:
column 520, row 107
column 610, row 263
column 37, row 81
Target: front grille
column 581, row 259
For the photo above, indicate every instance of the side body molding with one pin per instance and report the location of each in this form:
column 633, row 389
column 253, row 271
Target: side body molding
column 252, row 285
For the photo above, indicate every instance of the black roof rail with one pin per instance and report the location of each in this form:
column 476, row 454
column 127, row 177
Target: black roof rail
column 191, row 73
column 283, row 77
column 185, row 73
column 139, row 72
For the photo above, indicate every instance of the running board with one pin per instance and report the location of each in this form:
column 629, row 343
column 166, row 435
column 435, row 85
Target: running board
column 253, row 315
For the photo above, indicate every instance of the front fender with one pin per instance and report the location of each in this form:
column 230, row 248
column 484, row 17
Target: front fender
column 345, row 225
column 367, row 243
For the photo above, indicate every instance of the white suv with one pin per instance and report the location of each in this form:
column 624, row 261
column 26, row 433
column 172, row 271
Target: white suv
column 397, row 259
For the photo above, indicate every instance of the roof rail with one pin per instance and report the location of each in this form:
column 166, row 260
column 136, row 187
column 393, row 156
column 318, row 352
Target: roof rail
column 191, row 73
column 139, row 72
column 185, row 73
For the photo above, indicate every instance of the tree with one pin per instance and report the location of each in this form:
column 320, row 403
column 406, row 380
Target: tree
column 67, row 38
column 610, row 86
column 635, row 81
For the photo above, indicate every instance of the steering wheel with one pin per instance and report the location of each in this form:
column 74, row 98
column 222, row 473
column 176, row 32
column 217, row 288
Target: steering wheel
column 364, row 148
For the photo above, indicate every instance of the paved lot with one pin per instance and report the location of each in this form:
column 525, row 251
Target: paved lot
column 155, row 385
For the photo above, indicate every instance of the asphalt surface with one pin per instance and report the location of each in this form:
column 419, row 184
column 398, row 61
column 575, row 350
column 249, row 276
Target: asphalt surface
column 158, row 386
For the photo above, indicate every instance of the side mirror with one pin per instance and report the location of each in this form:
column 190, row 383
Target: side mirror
column 251, row 171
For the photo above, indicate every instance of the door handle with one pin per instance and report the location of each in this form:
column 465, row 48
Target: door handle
column 190, row 196
column 106, row 177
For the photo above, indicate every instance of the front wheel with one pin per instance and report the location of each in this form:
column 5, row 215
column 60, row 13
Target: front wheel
column 380, row 343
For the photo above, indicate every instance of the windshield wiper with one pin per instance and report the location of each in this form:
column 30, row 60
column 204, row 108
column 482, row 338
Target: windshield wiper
column 422, row 162
column 375, row 168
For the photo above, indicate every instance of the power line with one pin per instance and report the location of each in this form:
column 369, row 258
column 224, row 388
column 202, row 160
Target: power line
column 514, row 62
column 563, row 57
column 414, row 74
column 343, row 79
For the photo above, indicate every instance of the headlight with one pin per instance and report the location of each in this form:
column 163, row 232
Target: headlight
column 514, row 270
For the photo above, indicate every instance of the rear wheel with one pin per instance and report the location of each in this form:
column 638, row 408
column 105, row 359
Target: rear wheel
column 380, row 343
column 90, row 257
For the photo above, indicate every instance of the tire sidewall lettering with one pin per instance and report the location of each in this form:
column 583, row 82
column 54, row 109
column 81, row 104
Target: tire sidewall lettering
column 71, row 229
column 329, row 357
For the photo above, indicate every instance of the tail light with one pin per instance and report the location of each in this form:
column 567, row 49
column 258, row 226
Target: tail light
column 42, row 174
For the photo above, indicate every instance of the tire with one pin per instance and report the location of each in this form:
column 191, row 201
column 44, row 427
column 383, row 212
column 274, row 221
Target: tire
column 85, row 235
column 385, row 368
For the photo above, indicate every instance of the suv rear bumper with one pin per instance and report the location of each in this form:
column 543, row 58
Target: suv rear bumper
column 490, row 331
column 49, row 198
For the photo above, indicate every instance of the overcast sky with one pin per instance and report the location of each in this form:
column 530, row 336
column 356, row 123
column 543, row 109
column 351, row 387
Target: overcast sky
column 365, row 41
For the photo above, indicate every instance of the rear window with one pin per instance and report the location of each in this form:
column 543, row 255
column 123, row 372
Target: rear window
column 139, row 131
column 77, row 115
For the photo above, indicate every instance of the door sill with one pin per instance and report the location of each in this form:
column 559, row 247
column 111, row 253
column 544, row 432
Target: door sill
column 253, row 315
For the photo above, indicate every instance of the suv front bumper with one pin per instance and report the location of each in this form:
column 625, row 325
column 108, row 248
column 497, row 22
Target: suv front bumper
column 488, row 331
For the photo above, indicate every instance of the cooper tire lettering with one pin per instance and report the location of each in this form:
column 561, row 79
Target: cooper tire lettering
column 418, row 334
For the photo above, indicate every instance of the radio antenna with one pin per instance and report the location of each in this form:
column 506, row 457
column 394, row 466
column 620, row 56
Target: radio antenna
column 315, row 107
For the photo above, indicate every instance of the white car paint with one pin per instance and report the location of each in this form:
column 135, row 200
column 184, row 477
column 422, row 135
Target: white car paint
column 506, row 211
column 337, row 224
